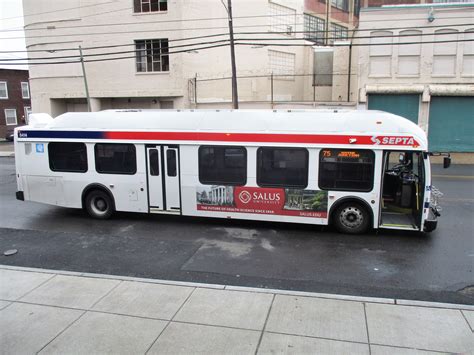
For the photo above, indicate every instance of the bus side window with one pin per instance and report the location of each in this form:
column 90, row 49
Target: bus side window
column 282, row 167
column 115, row 158
column 222, row 165
column 67, row 157
column 346, row 170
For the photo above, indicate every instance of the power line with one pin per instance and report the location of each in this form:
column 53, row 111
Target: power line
column 198, row 28
column 225, row 40
column 185, row 20
column 237, row 43
column 220, row 34
column 116, row 58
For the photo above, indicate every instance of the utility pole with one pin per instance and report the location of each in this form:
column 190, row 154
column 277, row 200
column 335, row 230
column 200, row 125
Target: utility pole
column 235, row 95
column 85, row 80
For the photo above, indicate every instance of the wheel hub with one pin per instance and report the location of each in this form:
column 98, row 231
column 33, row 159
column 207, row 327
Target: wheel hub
column 99, row 205
column 351, row 217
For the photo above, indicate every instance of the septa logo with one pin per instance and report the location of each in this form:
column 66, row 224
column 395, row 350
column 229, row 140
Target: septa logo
column 375, row 140
column 395, row 140
column 245, row 197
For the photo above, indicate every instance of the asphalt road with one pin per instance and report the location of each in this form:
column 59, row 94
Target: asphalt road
column 433, row 267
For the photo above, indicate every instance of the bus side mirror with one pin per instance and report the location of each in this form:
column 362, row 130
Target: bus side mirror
column 446, row 162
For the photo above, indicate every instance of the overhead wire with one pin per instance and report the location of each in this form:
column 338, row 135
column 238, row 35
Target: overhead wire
column 238, row 43
column 238, row 39
column 245, row 33
column 183, row 20
column 180, row 29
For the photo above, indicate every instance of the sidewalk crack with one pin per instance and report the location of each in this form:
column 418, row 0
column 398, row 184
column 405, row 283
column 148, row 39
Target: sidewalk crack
column 264, row 325
column 169, row 322
column 367, row 329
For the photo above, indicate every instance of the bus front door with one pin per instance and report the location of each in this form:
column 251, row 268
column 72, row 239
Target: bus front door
column 163, row 179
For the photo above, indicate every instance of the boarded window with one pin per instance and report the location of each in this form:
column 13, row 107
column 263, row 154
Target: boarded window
column 444, row 54
column 380, row 53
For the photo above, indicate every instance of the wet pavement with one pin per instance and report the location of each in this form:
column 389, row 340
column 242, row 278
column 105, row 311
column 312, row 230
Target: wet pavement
column 434, row 267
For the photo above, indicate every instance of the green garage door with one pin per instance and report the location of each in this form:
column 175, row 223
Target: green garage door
column 406, row 106
column 451, row 125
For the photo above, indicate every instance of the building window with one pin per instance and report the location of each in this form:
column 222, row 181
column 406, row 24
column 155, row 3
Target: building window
column 380, row 54
column 338, row 32
column 341, row 4
column 220, row 165
column 25, row 90
column 152, row 55
column 10, row 117
column 314, row 29
column 67, row 157
column 282, row 167
column 115, row 158
column 150, row 5
column 282, row 18
column 409, row 54
column 282, row 64
column 346, row 170
column 468, row 55
column 3, row 90
column 444, row 54
column 27, row 111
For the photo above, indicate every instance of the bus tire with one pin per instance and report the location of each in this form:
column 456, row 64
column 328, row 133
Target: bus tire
column 99, row 204
column 351, row 218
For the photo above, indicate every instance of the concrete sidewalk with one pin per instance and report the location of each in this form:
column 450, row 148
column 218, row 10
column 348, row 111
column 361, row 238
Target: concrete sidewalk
column 50, row 311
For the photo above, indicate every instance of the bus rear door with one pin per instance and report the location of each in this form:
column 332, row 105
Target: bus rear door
column 163, row 179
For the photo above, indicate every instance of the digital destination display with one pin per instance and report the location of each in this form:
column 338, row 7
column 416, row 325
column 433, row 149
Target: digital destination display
column 341, row 154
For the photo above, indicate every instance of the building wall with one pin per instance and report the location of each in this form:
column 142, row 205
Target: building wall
column 15, row 101
column 117, row 84
column 400, row 74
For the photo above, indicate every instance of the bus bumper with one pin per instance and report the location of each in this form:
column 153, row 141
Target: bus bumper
column 20, row 196
column 431, row 222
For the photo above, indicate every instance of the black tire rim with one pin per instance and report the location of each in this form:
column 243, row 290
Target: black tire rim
column 351, row 217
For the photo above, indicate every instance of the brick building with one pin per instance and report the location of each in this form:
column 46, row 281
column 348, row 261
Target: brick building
column 15, row 103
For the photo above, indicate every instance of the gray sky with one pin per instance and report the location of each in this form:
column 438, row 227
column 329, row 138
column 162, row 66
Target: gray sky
column 11, row 17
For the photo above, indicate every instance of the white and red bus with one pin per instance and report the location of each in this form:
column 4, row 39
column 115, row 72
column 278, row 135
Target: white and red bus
column 352, row 169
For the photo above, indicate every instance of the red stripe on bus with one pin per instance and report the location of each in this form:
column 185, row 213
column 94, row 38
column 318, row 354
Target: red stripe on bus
column 250, row 137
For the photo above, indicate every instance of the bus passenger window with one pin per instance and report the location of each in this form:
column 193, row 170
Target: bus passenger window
column 115, row 158
column 67, row 157
column 171, row 162
column 282, row 167
column 221, row 165
column 346, row 169
column 154, row 163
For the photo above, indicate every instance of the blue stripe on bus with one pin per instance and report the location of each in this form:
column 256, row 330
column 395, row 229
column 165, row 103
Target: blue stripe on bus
column 62, row 134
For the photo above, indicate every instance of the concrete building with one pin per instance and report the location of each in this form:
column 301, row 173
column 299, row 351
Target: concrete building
column 432, row 84
column 158, row 78
column 15, row 102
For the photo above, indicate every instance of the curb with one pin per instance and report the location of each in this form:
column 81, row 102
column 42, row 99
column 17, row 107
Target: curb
column 392, row 301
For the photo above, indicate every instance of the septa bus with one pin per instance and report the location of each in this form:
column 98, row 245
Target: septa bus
column 352, row 169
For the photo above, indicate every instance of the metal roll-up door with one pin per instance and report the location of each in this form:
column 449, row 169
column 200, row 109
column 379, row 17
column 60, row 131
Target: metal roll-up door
column 451, row 124
column 405, row 105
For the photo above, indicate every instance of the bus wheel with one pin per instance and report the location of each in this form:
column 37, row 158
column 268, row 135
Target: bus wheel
column 99, row 204
column 351, row 218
